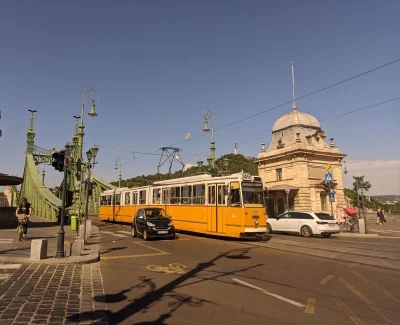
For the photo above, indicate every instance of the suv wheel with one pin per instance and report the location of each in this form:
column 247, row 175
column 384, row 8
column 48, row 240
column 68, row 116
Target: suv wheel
column 306, row 231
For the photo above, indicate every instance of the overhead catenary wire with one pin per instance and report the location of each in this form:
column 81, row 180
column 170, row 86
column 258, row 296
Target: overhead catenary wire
column 268, row 136
column 268, row 110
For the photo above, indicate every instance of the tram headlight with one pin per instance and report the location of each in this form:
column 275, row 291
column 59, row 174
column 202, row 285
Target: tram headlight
column 256, row 222
column 150, row 224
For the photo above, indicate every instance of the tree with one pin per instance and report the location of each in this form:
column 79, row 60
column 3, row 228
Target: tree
column 359, row 183
column 237, row 163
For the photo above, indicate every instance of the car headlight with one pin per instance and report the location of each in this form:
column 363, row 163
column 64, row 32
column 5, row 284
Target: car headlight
column 170, row 224
column 150, row 224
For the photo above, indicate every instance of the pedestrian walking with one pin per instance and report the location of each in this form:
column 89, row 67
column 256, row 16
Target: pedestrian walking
column 25, row 208
column 379, row 216
column 383, row 216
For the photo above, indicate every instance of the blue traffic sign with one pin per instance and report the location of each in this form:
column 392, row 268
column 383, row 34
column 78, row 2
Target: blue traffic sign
column 331, row 197
column 328, row 177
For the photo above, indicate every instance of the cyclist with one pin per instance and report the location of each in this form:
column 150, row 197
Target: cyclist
column 25, row 208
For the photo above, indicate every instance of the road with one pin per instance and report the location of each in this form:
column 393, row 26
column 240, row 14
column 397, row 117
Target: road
column 197, row 280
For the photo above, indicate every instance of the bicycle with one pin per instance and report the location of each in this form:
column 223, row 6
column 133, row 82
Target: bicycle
column 20, row 227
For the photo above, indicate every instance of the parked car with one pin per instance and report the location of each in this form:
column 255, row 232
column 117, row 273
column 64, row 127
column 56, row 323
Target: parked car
column 152, row 222
column 305, row 223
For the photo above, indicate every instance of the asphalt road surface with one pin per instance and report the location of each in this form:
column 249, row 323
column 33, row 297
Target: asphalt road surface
column 195, row 280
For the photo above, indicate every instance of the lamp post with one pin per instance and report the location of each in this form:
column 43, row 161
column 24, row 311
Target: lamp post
column 60, row 243
column 94, row 97
column 120, row 170
column 207, row 114
column 90, row 154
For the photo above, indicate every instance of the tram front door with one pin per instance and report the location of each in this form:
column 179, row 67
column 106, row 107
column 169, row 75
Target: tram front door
column 216, row 207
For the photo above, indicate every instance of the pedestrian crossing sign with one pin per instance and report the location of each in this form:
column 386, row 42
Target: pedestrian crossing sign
column 328, row 177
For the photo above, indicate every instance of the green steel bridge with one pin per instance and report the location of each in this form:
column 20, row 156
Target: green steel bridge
column 45, row 203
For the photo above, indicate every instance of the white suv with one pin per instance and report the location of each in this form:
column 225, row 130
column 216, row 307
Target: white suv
column 305, row 223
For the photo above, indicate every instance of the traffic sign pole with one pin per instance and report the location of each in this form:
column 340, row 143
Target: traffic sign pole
column 330, row 200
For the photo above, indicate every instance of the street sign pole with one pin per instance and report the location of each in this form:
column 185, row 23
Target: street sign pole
column 331, row 200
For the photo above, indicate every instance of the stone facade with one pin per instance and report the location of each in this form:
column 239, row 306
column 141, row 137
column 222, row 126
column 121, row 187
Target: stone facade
column 294, row 165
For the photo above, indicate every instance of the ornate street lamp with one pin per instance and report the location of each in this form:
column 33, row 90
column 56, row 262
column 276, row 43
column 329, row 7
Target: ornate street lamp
column 94, row 97
column 200, row 163
column 226, row 164
column 120, row 170
column 90, row 154
column 207, row 114
column 345, row 168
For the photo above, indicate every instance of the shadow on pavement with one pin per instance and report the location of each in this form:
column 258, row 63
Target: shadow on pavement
column 153, row 294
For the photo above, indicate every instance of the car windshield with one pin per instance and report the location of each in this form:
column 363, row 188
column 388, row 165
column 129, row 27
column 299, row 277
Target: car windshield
column 324, row 216
column 252, row 193
column 154, row 214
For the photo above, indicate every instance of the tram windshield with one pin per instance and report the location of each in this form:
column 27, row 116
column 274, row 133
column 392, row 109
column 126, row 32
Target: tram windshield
column 252, row 193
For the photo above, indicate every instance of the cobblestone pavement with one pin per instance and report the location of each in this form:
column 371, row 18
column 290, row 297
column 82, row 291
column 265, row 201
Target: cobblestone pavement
column 51, row 294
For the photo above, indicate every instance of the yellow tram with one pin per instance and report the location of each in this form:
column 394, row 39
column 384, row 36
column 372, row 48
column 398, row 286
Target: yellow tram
column 227, row 206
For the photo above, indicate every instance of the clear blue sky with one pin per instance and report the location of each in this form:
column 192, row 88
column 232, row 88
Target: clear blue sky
column 158, row 64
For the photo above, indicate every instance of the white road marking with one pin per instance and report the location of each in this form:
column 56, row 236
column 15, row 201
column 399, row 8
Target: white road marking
column 111, row 233
column 9, row 266
column 6, row 241
column 269, row 293
column 125, row 232
column 4, row 276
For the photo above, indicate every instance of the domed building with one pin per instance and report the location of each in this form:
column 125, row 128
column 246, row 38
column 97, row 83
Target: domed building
column 293, row 167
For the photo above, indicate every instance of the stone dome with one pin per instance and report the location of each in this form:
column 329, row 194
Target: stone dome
column 295, row 118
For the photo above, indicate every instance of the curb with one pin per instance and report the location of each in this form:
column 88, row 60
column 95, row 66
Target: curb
column 90, row 258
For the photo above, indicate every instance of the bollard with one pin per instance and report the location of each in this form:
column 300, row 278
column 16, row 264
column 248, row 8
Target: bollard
column 38, row 249
column 76, row 249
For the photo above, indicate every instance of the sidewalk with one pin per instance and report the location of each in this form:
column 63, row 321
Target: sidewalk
column 14, row 251
column 49, row 291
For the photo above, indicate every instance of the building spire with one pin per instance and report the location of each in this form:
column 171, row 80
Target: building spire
column 30, row 135
column 294, row 98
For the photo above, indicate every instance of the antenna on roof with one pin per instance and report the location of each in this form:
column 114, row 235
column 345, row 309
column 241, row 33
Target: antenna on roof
column 294, row 98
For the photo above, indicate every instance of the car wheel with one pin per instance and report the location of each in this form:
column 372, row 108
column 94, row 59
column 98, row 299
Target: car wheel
column 306, row 231
column 145, row 235
column 326, row 235
column 269, row 229
column 134, row 233
column 172, row 236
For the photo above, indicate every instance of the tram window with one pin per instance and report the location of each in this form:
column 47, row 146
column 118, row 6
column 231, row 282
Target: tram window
column 142, row 197
column 199, row 194
column 156, row 196
column 235, row 194
column 118, row 199
column 165, row 195
column 211, row 194
column 127, row 198
column 222, row 192
column 135, row 196
column 107, row 200
column 101, row 200
column 175, row 195
column 187, row 194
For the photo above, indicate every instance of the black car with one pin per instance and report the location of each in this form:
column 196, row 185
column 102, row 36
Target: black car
column 151, row 223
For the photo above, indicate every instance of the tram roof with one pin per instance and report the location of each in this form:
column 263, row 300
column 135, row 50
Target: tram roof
column 204, row 177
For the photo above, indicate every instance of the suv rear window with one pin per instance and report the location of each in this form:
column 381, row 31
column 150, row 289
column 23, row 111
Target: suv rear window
column 324, row 216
